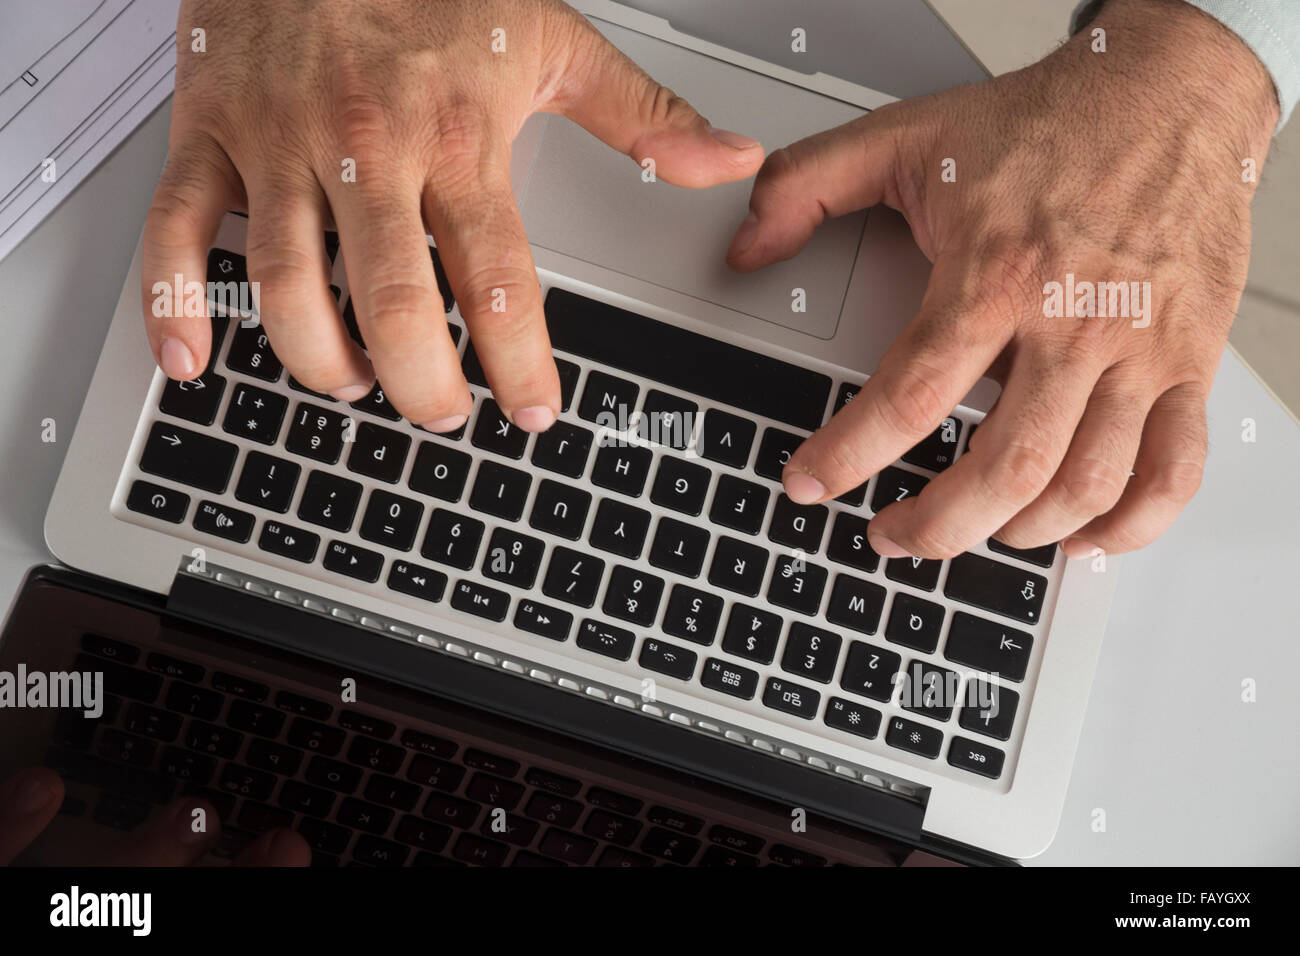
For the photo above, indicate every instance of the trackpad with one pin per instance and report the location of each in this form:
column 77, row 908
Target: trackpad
column 587, row 201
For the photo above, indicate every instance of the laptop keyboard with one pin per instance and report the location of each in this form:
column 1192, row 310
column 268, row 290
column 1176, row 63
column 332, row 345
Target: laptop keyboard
column 360, row 789
column 648, row 527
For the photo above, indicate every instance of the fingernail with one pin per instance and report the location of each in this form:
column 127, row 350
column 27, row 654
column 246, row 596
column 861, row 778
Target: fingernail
column 33, row 796
column 1078, row 548
column 885, row 548
column 351, row 393
column 803, row 488
column 445, row 424
column 745, row 235
column 535, row 418
column 188, row 827
column 734, row 140
column 177, row 360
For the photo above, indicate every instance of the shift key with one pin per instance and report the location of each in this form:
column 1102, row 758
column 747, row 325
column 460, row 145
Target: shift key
column 997, row 587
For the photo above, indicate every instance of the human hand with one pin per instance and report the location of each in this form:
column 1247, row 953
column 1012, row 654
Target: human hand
column 415, row 94
column 1123, row 166
column 30, row 800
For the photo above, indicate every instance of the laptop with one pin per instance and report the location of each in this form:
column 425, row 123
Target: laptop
column 614, row 643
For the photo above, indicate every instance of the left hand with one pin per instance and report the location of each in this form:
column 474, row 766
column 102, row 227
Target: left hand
column 1124, row 166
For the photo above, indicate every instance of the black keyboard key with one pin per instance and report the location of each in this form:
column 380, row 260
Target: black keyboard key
column 508, row 827
column 324, row 837
column 797, row 585
column 212, row 740
column 494, row 792
column 573, row 576
column 563, row 448
column 239, row 686
column 298, row 386
column 363, row 816
column 250, row 353
column 996, row 587
column 608, row 401
column 847, row 393
column 451, row 810
column 549, row 808
column 318, row 433
column 288, row 542
column 360, row 563
column 545, row 621
column 914, row 622
column 852, row 718
column 854, row 496
column 929, row 690
column 687, row 361
column 452, row 539
column 988, row 646
column 567, row 847
column 378, row 452
column 692, row 614
column 560, row 509
column 130, row 749
column 255, row 414
column 329, row 500
column 513, row 558
column 369, row 726
column 798, row 526
column 1044, row 556
column 920, row 573
column 376, row 755
column 432, row 772
column 990, row 709
column 376, row 852
column 277, row 758
column 391, row 792
column 189, row 458
column 667, row 419
column 855, row 604
column 619, row 528
column 246, row 716
column 146, row 498
column 416, row 580
column 664, row 658
column 783, row 855
column 752, row 633
column 729, row 678
column 120, row 812
column 391, row 520
column 680, row 485
column 195, row 401
column 739, row 504
column 568, row 372
column 183, row 698
column 670, row 846
column 895, row 484
column 612, row 800
column 223, row 522
column 492, row 763
column 553, row 782
column 493, row 432
column 811, row 652
column 939, row 450
column 726, row 438
column 109, row 648
column 439, row 470
column 318, row 738
column 423, row 834
column 612, row 856
column 377, row 403
column 735, row 839
column 267, row 482
column 848, row 543
column 621, row 468
column 633, row 595
column 500, row 491
column 246, row 782
column 976, row 757
column 480, row 852
column 301, row 706
column 721, row 856
column 791, row 698
column 915, row 738
column 226, row 267
column 738, row 566
column 122, row 681
column 774, row 452
column 428, row 744
column 674, row 820
column 333, row 774
column 679, row 547
column 605, row 639
column 480, row 601
column 870, row 671
column 183, row 765
column 612, row 828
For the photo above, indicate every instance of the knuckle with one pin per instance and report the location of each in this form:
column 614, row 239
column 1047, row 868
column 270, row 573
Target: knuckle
column 397, row 300
column 278, row 266
column 836, row 463
column 1092, row 486
column 933, row 539
column 909, row 403
column 1176, row 482
column 660, row 106
column 1017, row 473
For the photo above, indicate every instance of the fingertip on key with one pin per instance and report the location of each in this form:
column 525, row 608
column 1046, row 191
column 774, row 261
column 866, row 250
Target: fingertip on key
column 803, row 488
column 177, row 360
column 535, row 418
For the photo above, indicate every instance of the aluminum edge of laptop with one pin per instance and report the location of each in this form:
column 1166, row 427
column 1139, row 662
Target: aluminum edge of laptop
column 1016, row 821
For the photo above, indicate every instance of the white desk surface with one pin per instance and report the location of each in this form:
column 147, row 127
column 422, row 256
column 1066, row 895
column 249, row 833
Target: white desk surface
column 1186, row 772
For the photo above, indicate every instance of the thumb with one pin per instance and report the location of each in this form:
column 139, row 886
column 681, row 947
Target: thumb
column 828, row 174
column 616, row 101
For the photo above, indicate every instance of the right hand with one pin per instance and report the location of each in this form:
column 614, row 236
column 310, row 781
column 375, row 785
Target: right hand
column 412, row 92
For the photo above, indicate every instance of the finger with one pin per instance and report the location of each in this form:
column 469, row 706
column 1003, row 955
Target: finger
column 29, row 800
column 198, row 186
column 490, row 267
column 276, row 848
column 923, row 376
column 616, row 101
column 829, row 174
column 287, row 260
column 395, row 294
column 1095, row 470
column 1166, row 474
column 1022, row 447
column 177, row 835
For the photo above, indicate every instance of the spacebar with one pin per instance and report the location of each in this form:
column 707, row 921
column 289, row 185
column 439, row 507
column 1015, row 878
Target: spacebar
column 686, row 360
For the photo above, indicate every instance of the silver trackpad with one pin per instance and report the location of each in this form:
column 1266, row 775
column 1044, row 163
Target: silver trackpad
column 586, row 201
